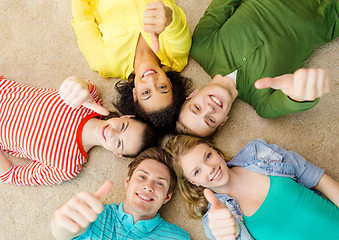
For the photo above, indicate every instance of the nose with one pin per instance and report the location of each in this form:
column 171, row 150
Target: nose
column 112, row 131
column 209, row 108
column 148, row 187
column 209, row 169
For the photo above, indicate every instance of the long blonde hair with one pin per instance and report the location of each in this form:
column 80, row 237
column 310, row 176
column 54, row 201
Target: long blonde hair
column 178, row 146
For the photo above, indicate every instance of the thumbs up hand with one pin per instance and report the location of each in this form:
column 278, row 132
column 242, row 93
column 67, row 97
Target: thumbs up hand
column 74, row 91
column 76, row 214
column 157, row 16
column 303, row 85
column 220, row 220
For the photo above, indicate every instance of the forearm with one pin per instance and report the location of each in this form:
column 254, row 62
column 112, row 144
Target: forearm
column 85, row 26
column 330, row 188
column 275, row 103
column 5, row 164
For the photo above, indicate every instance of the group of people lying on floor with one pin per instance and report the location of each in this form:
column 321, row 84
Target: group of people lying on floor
column 252, row 49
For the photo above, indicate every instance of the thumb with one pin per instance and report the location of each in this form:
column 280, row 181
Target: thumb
column 280, row 82
column 213, row 200
column 104, row 190
column 155, row 42
column 91, row 104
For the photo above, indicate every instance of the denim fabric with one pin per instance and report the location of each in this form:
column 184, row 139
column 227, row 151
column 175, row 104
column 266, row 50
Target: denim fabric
column 268, row 159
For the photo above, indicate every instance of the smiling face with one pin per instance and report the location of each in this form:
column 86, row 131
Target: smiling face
column 153, row 90
column 203, row 166
column 205, row 110
column 147, row 189
column 122, row 136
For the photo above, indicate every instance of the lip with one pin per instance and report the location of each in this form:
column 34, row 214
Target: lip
column 103, row 131
column 148, row 72
column 217, row 101
column 217, row 175
column 144, row 197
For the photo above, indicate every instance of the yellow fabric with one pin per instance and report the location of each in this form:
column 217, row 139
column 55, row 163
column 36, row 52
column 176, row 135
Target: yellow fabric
column 108, row 31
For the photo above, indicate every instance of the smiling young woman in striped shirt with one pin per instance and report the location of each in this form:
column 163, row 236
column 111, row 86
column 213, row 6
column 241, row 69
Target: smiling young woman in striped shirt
column 56, row 128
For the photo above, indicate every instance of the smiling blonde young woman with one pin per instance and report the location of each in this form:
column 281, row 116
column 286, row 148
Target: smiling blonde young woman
column 256, row 193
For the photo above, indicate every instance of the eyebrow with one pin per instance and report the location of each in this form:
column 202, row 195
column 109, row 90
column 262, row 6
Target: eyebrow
column 149, row 96
column 147, row 173
column 122, row 142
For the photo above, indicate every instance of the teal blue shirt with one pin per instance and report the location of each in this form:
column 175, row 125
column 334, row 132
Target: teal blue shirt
column 114, row 223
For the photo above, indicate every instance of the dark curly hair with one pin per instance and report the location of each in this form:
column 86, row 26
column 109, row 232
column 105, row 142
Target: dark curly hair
column 150, row 136
column 164, row 120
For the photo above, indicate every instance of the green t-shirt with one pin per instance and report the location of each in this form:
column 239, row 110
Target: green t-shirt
column 263, row 38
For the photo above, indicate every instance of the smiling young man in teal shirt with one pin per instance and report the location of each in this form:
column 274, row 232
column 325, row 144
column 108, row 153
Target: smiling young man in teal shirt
column 149, row 185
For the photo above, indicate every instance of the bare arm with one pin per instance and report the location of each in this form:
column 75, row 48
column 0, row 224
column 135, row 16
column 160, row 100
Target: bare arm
column 73, row 217
column 5, row 164
column 330, row 188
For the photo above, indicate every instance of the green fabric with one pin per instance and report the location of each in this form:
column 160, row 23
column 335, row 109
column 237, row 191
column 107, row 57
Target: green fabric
column 263, row 38
column 292, row 211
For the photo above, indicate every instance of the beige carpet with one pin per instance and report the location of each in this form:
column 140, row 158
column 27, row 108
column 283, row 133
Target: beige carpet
column 38, row 47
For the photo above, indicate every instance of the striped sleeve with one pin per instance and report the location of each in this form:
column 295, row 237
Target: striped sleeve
column 94, row 91
column 36, row 173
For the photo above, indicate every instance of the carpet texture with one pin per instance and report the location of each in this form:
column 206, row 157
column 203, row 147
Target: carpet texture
column 38, row 47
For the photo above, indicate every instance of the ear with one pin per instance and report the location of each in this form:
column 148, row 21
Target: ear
column 168, row 197
column 223, row 123
column 194, row 183
column 127, row 116
column 134, row 95
column 126, row 182
column 192, row 94
column 118, row 155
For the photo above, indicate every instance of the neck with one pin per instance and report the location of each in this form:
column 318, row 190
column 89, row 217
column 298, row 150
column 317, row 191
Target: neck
column 89, row 137
column 227, row 83
column 136, row 216
column 232, row 186
column 144, row 54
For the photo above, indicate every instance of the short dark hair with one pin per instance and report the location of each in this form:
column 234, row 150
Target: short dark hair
column 164, row 120
column 150, row 136
column 160, row 155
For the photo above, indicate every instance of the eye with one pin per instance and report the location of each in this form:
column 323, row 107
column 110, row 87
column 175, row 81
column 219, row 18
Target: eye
column 160, row 184
column 211, row 119
column 119, row 143
column 197, row 106
column 122, row 127
column 163, row 87
column 196, row 172
column 145, row 92
column 208, row 156
column 141, row 177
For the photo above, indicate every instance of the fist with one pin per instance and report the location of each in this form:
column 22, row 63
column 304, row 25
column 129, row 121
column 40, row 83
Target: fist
column 303, row 85
column 220, row 219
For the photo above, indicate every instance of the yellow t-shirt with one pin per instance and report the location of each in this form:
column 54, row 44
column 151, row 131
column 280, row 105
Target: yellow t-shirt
column 108, row 33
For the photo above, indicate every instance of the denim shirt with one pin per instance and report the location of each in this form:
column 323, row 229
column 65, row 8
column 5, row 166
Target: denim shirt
column 268, row 159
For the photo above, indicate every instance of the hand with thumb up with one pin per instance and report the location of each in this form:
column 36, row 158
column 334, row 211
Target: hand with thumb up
column 73, row 217
column 220, row 219
column 157, row 16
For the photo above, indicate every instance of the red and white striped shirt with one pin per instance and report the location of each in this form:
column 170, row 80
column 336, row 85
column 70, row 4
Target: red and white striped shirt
column 35, row 123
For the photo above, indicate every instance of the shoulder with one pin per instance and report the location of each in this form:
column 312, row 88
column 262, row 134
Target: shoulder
column 172, row 230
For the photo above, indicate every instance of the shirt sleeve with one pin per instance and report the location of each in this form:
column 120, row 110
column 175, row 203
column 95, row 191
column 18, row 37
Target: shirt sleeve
column 85, row 25
column 176, row 38
column 36, row 173
column 94, row 91
column 305, row 172
column 275, row 103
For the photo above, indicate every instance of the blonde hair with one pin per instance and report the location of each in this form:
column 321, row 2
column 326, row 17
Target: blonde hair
column 178, row 146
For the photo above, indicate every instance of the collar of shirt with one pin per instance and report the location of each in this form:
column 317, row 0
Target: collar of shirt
column 127, row 219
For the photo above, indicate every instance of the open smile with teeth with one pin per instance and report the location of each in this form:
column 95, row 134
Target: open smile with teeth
column 143, row 197
column 217, row 175
column 148, row 72
column 216, row 101
column 103, row 131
